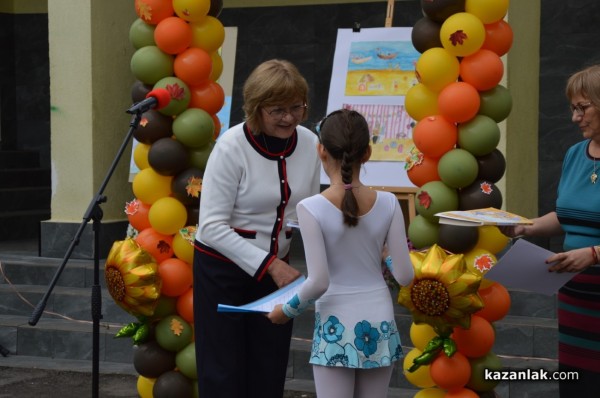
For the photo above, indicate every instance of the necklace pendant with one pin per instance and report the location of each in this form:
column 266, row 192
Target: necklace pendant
column 594, row 177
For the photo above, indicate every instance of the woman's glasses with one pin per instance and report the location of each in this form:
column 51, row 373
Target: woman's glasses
column 296, row 111
column 580, row 108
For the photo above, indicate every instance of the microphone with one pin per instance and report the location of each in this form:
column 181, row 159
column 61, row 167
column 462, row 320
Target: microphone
column 155, row 99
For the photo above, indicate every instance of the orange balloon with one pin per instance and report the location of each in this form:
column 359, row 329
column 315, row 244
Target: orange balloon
column 218, row 125
column 421, row 173
column 496, row 302
column 158, row 245
column 476, row 341
column 498, row 37
column 435, row 135
column 193, row 66
column 461, row 393
column 483, row 70
column 153, row 11
column 173, row 35
column 137, row 214
column 176, row 276
column 185, row 305
column 459, row 102
column 209, row 97
column 450, row 373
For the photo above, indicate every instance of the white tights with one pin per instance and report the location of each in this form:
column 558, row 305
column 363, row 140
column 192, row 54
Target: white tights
column 334, row 382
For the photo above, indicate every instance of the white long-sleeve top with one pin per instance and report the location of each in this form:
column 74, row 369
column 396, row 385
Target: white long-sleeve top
column 249, row 194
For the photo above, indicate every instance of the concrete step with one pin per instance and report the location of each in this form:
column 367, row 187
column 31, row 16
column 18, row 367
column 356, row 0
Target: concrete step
column 17, row 159
column 27, row 198
column 23, row 224
column 25, row 177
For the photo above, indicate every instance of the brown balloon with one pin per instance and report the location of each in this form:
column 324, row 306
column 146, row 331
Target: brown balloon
column 216, row 6
column 151, row 360
column 181, row 185
column 153, row 126
column 168, row 157
column 425, row 34
column 139, row 91
column 457, row 239
column 491, row 166
column 172, row 384
column 439, row 10
column 479, row 195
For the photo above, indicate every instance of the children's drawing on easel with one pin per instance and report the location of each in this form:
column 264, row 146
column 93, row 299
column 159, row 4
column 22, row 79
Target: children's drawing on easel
column 391, row 130
column 381, row 68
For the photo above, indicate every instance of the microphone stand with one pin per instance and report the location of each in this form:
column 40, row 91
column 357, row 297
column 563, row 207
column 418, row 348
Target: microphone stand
column 93, row 213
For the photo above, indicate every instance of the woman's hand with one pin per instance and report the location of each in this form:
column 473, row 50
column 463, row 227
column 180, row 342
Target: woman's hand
column 512, row 231
column 572, row 261
column 277, row 316
column 282, row 273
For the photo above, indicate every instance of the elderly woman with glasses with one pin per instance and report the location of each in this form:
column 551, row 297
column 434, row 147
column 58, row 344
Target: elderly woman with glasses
column 256, row 174
column 577, row 216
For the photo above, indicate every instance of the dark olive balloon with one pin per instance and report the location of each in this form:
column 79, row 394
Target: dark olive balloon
column 425, row 34
column 139, row 90
column 168, row 157
column 495, row 103
column 439, row 10
column 491, row 166
column 151, row 360
column 479, row 195
column 153, row 126
column 193, row 215
column 186, row 186
column 457, row 239
column 172, row 384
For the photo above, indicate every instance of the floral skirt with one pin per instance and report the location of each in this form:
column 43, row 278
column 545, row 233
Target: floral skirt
column 353, row 341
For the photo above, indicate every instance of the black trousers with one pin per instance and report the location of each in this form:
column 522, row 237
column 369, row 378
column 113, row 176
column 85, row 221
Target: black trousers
column 238, row 355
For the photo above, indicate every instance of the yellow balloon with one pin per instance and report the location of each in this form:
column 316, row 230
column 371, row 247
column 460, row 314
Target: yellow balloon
column 149, row 186
column 145, row 386
column 462, row 34
column 208, row 34
column 421, row 102
column 191, row 10
column 167, row 215
column 480, row 261
column 488, row 11
column 140, row 155
column 421, row 334
column 436, row 68
column 183, row 247
column 419, row 377
column 490, row 238
column 431, row 393
column 217, row 66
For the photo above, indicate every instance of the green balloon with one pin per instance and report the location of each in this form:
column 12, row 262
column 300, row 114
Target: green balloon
column 186, row 361
column 477, row 381
column 149, row 65
column 458, row 168
column 141, row 34
column 199, row 156
column 194, row 128
column 480, row 135
column 165, row 305
column 495, row 103
column 173, row 333
column 180, row 95
column 422, row 233
column 435, row 197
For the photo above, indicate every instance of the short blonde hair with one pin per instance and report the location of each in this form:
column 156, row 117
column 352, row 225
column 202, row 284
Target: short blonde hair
column 273, row 82
column 586, row 83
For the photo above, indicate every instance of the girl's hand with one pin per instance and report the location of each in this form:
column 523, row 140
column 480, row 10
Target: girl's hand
column 277, row 316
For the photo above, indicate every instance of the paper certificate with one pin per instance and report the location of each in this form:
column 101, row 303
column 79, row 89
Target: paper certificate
column 267, row 303
column 478, row 217
column 524, row 266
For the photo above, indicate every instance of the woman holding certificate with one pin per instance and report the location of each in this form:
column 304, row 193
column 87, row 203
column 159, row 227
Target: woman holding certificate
column 577, row 216
column 344, row 230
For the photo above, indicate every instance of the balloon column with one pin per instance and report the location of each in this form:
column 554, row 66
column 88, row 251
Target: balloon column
column 149, row 274
column 457, row 104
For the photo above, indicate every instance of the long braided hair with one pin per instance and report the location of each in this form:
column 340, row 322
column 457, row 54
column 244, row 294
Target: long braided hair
column 345, row 135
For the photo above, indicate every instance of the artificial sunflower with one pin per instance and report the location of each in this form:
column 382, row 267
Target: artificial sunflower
column 443, row 292
column 132, row 278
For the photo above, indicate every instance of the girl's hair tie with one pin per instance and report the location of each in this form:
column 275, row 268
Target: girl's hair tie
column 348, row 187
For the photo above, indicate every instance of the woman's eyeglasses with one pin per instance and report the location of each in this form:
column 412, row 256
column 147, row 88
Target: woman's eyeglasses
column 296, row 111
column 580, row 108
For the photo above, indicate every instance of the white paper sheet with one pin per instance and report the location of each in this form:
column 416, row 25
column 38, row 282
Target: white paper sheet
column 267, row 303
column 524, row 266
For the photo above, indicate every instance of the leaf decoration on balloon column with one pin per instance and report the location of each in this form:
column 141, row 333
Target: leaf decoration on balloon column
column 424, row 199
column 414, row 158
column 194, row 186
column 132, row 207
column 176, row 327
column 189, row 234
column 486, row 188
column 145, row 11
column 484, row 263
column 458, row 37
column 177, row 92
column 144, row 122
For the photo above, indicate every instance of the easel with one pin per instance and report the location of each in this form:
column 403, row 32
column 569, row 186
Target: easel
column 403, row 193
column 390, row 14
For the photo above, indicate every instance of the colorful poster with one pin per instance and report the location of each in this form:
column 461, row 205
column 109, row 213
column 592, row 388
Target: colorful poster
column 373, row 69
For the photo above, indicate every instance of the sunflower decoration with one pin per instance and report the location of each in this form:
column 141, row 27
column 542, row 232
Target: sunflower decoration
column 132, row 278
column 443, row 294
